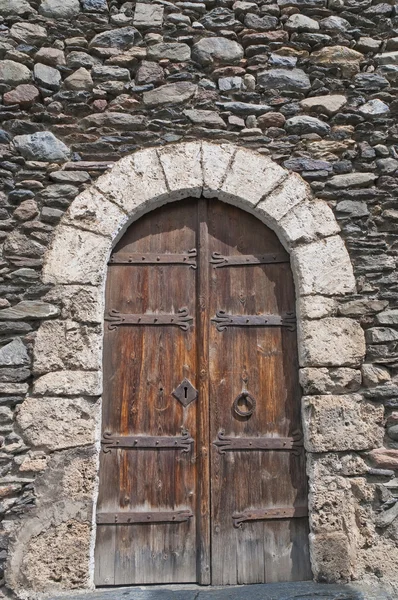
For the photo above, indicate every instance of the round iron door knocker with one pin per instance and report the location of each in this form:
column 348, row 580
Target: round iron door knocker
column 250, row 404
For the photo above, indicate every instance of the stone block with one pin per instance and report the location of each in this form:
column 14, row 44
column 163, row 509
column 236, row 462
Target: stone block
column 69, row 383
column 182, row 167
column 340, row 380
column 57, row 423
column 323, row 267
column 93, row 212
column 67, row 345
column 331, row 557
column 276, row 205
column 251, row 177
column 316, row 307
column 216, row 159
column 308, row 221
column 135, row 182
column 58, row 557
column 83, row 304
column 331, row 342
column 76, row 256
column 341, row 423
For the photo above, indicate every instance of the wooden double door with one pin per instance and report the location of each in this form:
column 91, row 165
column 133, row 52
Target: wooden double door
column 202, row 467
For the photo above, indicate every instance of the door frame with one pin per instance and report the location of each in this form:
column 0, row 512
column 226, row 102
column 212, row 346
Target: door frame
column 75, row 265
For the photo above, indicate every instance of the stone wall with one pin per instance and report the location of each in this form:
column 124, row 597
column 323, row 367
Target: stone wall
column 310, row 83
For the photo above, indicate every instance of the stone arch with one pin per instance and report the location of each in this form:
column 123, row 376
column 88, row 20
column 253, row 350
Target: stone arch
column 62, row 414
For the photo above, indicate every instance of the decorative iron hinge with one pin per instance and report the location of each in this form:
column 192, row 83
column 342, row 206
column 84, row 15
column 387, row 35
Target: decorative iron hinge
column 218, row 260
column 264, row 514
column 129, row 518
column 147, row 441
column 225, row 320
column 181, row 319
column 292, row 444
column 153, row 258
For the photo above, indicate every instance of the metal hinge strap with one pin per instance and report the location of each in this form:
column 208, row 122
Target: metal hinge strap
column 218, row 260
column 139, row 442
column 292, row 444
column 129, row 518
column 265, row 514
column 180, row 319
column 224, row 320
column 154, row 258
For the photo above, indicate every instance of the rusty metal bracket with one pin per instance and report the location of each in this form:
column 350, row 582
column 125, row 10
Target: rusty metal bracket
column 181, row 319
column 265, row 514
column 292, row 444
column 224, row 320
column 139, row 442
column 218, row 260
column 130, row 518
column 153, row 258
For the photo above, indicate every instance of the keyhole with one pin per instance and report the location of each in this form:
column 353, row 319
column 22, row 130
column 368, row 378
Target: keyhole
column 185, row 392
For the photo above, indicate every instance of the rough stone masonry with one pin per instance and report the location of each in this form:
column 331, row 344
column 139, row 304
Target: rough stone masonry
column 310, row 83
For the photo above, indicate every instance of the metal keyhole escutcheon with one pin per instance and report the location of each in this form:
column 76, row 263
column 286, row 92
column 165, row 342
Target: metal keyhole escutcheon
column 249, row 401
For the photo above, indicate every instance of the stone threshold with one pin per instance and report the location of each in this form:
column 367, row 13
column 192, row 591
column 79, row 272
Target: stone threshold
column 307, row 590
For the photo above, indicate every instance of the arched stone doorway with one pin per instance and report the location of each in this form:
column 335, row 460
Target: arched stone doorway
column 63, row 413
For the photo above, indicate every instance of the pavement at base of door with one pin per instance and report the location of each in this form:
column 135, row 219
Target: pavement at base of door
column 271, row 591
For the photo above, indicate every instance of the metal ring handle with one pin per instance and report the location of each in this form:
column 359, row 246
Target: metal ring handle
column 251, row 404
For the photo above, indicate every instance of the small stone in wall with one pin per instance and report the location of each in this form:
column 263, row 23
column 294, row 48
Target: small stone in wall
column 50, row 56
column 26, row 210
column 299, row 22
column 385, row 458
column 116, row 38
column 374, row 108
column 373, row 375
column 217, row 50
column 25, row 95
column 14, row 354
column 172, row 50
column 30, row 309
column 293, row 80
column 148, row 15
column 13, row 73
column 16, row 8
column 206, row 118
column 60, row 9
column 329, row 105
column 171, row 93
column 302, row 124
column 47, row 77
column 79, row 80
column 352, row 180
column 42, row 146
column 149, row 72
column 28, row 33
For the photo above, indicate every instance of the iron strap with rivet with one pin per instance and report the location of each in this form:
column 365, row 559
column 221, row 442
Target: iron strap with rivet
column 109, row 441
column 129, row 518
column 153, row 258
column 180, row 319
column 224, row 320
column 265, row 514
column 292, row 444
column 218, row 260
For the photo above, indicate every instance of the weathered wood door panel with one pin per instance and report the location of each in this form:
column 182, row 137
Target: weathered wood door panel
column 176, row 503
